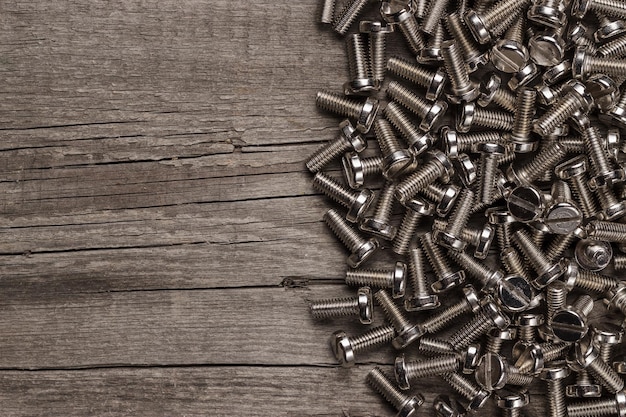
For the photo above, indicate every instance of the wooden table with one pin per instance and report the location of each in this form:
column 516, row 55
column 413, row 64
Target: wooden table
column 160, row 235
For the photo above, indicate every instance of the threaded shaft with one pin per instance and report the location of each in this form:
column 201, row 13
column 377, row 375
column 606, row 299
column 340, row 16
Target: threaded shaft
column 386, row 387
column 328, row 152
column 477, row 270
column 437, row 365
column 420, row 7
column 556, row 399
column 610, row 7
column 502, row 11
column 503, row 235
column 401, row 121
column 592, row 408
column 431, row 345
column 584, row 304
column 348, row 15
column 527, row 333
column 434, row 192
column 538, row 237
column 372, row 165
column 441, row 320
column 411, row 32
column 493, row 119
column 512, row 412
column 594, row 282
column 328, row 11
column 555, row 299
column 409, row 71
column 370, row 277
column 583, row 195
column 378, row 55
column 505, row 99
column 619, row 262
column 573, row 144
column 597, row 154
column 455, row 65
column 536, row 257
column 386, row 137
column 608, row 66
column 407, row 98
column 605, row 375
column 392, row 311
column 374, row 337
column 518, row 379
column 417, row 276
column 607, row 197
column 461, row 385
column 608, row 231
column 545, row 160
column 406, row 232
column 494, row 344
column 358, row 60
column 433, row 17
column 466, row 141
column 435, row 256
column 338, row 104
column 552, row 351
column 524, row 113
column 606, row 352
column 471, row 331
column 557, row 114
column 614, row 48
column 513, row 263
column 481, row 6
column 460, row 215
column 515, row 32
column 425, row 175
column 488, row 167
column 460, row 33
column 342, row 230
column 333, row 189
column 558, row 246
column 385, row 202
column 335, row 307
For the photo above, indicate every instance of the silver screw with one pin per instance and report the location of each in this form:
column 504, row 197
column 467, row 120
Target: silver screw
column 584, row 387
column 361, row 79
column 488, row 317
column 489, row 154
column 561, row 243
column 471, row 115
column 513, row 262
column 433, row 81
column 438, row 166
column 462, row 88
column 610, row 7
column 407, row 373
column 431, row 54
column 494, row 21
column 511, row 402
column 406, row 332
column 419, row 142
column 594, row 282
column 401, row 15
column 555, row 299
column 349, row 139
column 486, row 276
column 547, row 47
column 357, row 202
column 588, row 357
column 421, row 298
column 474, row 58
column 434, row 15
column 607, row 231
column 574, row 172
column 614, row 48
column 547, row 271
column 521, row 135
column 417, row 208
column 549, row 13
column 603, row 173
column 534, row 357
column 361, row 306
column 362, row 249
column 450, row 237
column 444, row 196
column 441, row 320
column 583, row 64
column 345, row 348
column 492, row 90
column 393, row 279
column 554, row 376
column 619, row 262
column 593, row 254
column 509, row 54
column 618, row 114
column 605, row 407
column 406, row 405
column 328, row 12
column 448, row 278
column 543, row 161
column 476, row 396
column 562, row 216
column 569, row 324
column 397, row 160
column 356, row 168
column 445, row 406
column 494, row 372
column 576, row 99
column 379, row 223
column 615, row 298
column 480, row 238
column 608, row 28
column 363, row 112
column 430, row 113
column 348, row 15
column 496, row 338
column 377, row 34
column 578, row 35
column 607, row 337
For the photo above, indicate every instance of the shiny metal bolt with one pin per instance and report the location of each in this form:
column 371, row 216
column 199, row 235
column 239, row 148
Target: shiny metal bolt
column 421, row 298
column 361, row 306
column 554, row 376
column 607, row 337
column 509, row 54
column 393, row 279
column 511, row 402
column 379, row 223
column 407, row 373
column 494, row 372
column 603, row 173
column 363, row 112
column 574, row 172
column 521, row 135
column 356, row 168
column 328, row 12
column 346, row 348
column 377, row 33
column 433, row 80
column 344, row 19
column 357, row 202
column 608, row 28
column 607, row 407
column 418, row 141
column 543, row 161
column 450, row 237
column 400, row 14
column 489, row 155
column 473, row 56
column 576, row 99
column 547, row 47
column 496, row 338
column 430, row 113
column 593, row 254
column 362, row 249
column 588, row 357
column 443, row 196
column 397, row 161
column 569, row 324
column 471, row 115
column 431, row 54
column 549, row 13
column 547, row 271
column 437, row 166
column 384, row 385
column 349, row 139
column 494, row 21
column 489, row 316
column 562, row 216
column 610, row 7
column 527, row 204
column 492, row 91
column 607, row 231
column 406, row 332
column 487, row 277
column 416, row 209
column 555, row 299
column 448, row 278
column 583, row 64
column 441, row 320
column 476, row 396
column 480, row 238
column 462, row 88
column 361, row 79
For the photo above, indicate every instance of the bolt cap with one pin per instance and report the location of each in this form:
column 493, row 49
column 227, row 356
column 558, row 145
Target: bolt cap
column 360, row 87
column 449, row 139
column 399, row 370
column 509, row 399
column 491, row 373
column 488, row 88
column 448, row 240
column 430, row 56
column 363, row 253
column 562, row 218
column 422, row 303
column 484, row 244
column 419, row 205
column 342, row 348
column 607, row 334
column 437, row 85
column 360, row 205
column 353, row 170
column 551, row 17
column 420, row 144
column 466, row 169
column 549, row 275
column 555, row 372
column 613, row 29
column 447, row 282
column 558, row 72
column 509, row 56
column 444, row 163
column 479, row 400
column 603, row 90
column 435, row 112
column 368, row 115
column 409, row 409
column 524, row 76
column 469, row 358
column 477, row 26
column 398, row 163
column 585, row 352
column 465, row 117
column 572, row 167
column 583, row 391
column 526, row 203
column 449, row 199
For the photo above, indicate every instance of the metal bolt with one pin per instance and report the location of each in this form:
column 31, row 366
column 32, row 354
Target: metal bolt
column 462, row 88
column 480, row 238
column 361, row 80
column 492, row 90
column 476, row 396
column 494, row 372
column 356, row 168
column 363, row 112
column 524, row 76
column 604, row 91
column 489, row 316
column 348, row 15
column 514, row 293
column 447, row 277
column 406, row 332
column 511, row 402
column 417, row 208
column 345, row 348
column 554, row 376
column 444, row 196
column 615, row 298
column 361, row 306
column 489, row 154
column 569, row 324
column 547, row 47
column 619, row 262
column 588, row 357
column 578, row 35
column 610, row 7
column 393, row 279
column 618, row 114
column 406, row 405
column 593, row 254
column 544, row 160
column 474, row 58
column 583, row 64
column 456, row 143
column 495, row 20
column 438, row 166
column 441, row 320
column 606, row 407
column 521, row 135
column 584, row 386
column 616, row 48
column 431, row 54
column 577, row 98
column 603, row 173
column 397, row 161
column 434, row 15
column 445, row 406
column 594, row 282
column 555, row 299
column 509, row 54
column 431, row 346
column 349, row 139
column 527, row 326
column 419, row 142
column 534, row 357
column 433, row 81
column 362, row 249
column 513, row 262
column 328, row 12
column 357, row 202
column 450, row 237
column 547, row 271
column 430, row 113
column 549, row 13
column 496, row 337
column 526, row 203
column 557, row 73
column 607, row 231
column 471, row 115
column 377, row 34
column 487, row 277
column 607, row 336
column 379, row 223
column 401, row 15
column 608, row 28
column 421, row 299
column 407, row 373
column 574, row 172
column 562, row 216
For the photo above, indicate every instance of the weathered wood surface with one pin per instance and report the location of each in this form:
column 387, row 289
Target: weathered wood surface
column 159, row 236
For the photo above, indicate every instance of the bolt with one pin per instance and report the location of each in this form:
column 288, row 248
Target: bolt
column 584, row 386
column 574, row 172
column 569, row 324
column 607, row 336
column 493, row 91
column 439, row 321
column 438, row 166
column 363, row 112
column 607, row 231
column 447, row 277
column 489, row 154
column 450, row 237
column 611, row 7
column 534, row 357
column 521, row 135
column 377, row 34
column 328, row 12
column 604, row 175
column 593, row 255
column 608, row 28
column 481, row 238
column 511, row 402
column 487, row 277
column 407, row 373
column 591, row 281
column 509, row 54
column 557, row 73
column 605, row 407
column 588, row 357
column 527, row 326
column 384, row 385
column 471, row 115
column 462, row 88
column 393, row 279
column 526, row 203
column 577, row 98
column 445, row 406
column 503, row 222
column 430, row 113
column 417, row 208
column 349, row 139
column 348, row 15
column 547, row 271
column 578, row 35
column 524, row 76
column 474, row 58
column 554, row 376
column 356, row 169
column 357, row 202
column 362, row 249
column 406, row 332
column 361, row 306
column 548, row 95
column 434, row 15
column 397, row 161
column 489, row 316
column 494, row 21
column 346, row 348
column 544, row 160
column 476, row 396
column 379, row 224
column 465, row 169
column 400, row 14
column 562, row 216
column 547, row 47
column 619, row 262
column 496, row 337
column 419, row 142
column 618, row 114
column 494, row 373
column 433, row 81
column 421, row 299
column 555, row 299
column 444, row 196
column 514, row 293
column 616, row 48
column 583, row 64
column 615, row 298
column 431, row 54
column 604, row 91
column 513, row 262
column 361, row 79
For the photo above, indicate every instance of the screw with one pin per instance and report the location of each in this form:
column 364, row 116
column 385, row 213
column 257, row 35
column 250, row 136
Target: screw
column 577, row 98
column 554, row 376
column 616, row 48
column 438, row 166
column 328, row 12
column 433, row 81
column 406, row 331
column 401, row 15
column 610, row 406
column 526, row 204
column 588, row 357
column 495, row 20
column 430, row 346
column 513, row 263
column 348, row 15
column 481, row 239
column 591, row 281
column 444, row 196
column 407, row 373
column 488, row 317
column 357, row 202
column 607, row 231
column 474, row 58
column 557, row 73
column 555, row 299
column 584, row 386
column 569, row 324
column 574, row 172
column 527, row 326
column 379, row 224
column 431, row 54
column 406, row 405
column 346, row 348
column 619, row 262
column 521, row 135
column 439, row 321
column 450, row 237
column 610, row 7
column 393, row 279
column 493, row 372
column 363, row 112
column 544, row 160
column 615, row 298
column 607, row 337
column 362, row 249
column 511, row 402
column 362, row 81
column 547, row 271
column 445, row 406
column 547, row 47
column 583, row 64
column 462, row 88
column 618, row 114
column 447, row 277
column 549, row 13
column 503, row 222
column 417, row 208
column 577, row 35
column 514, row 293
column 604, row 91
column 471, row 115
column 496, row 337
column 421, row 299
column 349, row 139
column 361, row 306
column 377, row 34
column 356, row 169
column 608, row 28
column 430, row 113
column 419, row 142
column 534, row 357
column 397, row 161
column 593, row 255
column 493, row 91
column 476, row 396
column 486, row 276
column 562, row 216
column 489, row 154
column 456, row 143
column 524, row 76
column 509, row 54
column 603, row 174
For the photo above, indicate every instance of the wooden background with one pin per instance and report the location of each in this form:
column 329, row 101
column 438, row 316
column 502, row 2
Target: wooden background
column 160, row 237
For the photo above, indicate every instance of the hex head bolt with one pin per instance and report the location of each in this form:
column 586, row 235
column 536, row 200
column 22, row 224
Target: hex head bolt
column 461, row 86
column 347, row 16
column 476, row 396
column 492, row 91
column 406, row 332
column 576, row 99
column 489, row 155
column 569, row 324
column 450, row 237
column 379, row 223
column 543, row 161
column 402, row 16
column 611, row 7
column 346, row 348
column 433, row 81
column 430, row 113
column 393, row 279
column 481, row 239
column 419, row 141
column 489, row 316
column 547, row 271
column 397, row 160
column 349, row 139
column 574, row 172
column 447, row 278
column 473, row 57
column 408, row 373
column 356, row 169
column 361, row 306
column 554, row 376
column 406, row 405
column 377, row 33
column 437, row 166
column 362, row 248
column 364, row 112
column 421, row 299
column 494, row 372
column 494, row 21
column 521, row 135
column 472, row 115
column 357, row 202
column 416, row 209
column 583, row 64
column 606, row 407
column 509, row 55
column 361, row 79
column 443, row 196
column 487, row 277
column 444, row 318
column 588, row 357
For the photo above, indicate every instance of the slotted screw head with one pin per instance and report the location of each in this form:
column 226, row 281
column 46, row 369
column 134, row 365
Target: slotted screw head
column 569, row 325
column 509, row 56
column 526, row 203
column 515, row 293
column 510, row 400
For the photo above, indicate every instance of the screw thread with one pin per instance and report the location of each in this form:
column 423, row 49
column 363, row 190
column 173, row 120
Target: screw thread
column 433, row 17
column 619, row 262
column 406, row 232
column 441, row 320
column 455, row 66
column 607, row 198
column 488, row 167
column 384, row 205
column 471, row 331
column 418, row 181
column 594, row 282
column 609, row 231
column 358, row 60
column 327, row 153
column 515, row 32
column 534, row 254
column 378, row 55
column 512, row 412
column 518, row 379
column 401, row 121
column 505, row 99
column 465, row 142
column 538, row 237
column 420, row 7
column 573, row 144
column 558, row 246
column 513, row 263
column 503, row 11
column 597, row 154
column 589, row 45
column 461, row 385
column 432, row 345
column 481, row 6
column 392, row 311
column 524, row 113
column 411, row 32
column 335, row 307
column 333, row 189
column 622, row 99
column 614, row 48
column 477, row 270
column 460, row 215
column 342, row 230
column 584, row 304
column 503, row 235
column 377, row 336
column 605, row 375
column 369, row 277
column 545, row 160
column 583, row 195
column 432, row 366
column 493, row 119
column 338, row 104
column 372, row 165
column 527, row 333
column 592, row 408
column 606, row 352
column 494, row 344
column 434, row 192
column 608, row 66
column 328, row 11
column 555, row 299
column 456, row 27
column 611, row 7
column 386, row 137
column 557, row 114
column 409, row 71
column 583, row 378
column 556, row 399
column 435, row 256
column 385, row 386
column 408, row 99
column 417, row 275
column 348, row 15
column 506, row 159
column 552, row 351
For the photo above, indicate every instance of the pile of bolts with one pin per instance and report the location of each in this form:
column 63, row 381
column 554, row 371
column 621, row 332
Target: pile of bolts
column 504, row 124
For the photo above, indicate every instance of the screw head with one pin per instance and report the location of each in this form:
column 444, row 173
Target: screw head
column 547, row 48
column 526, row 203
column 419, row 205
column 411, row 405
column 399, row 370
column 448, row 240
column 398, row 163
column 530, row 358
column 477, row 26
column 593, row 255
column 488, row 88
column 491, row 373
column 603, row 90
column 572, row 167
column 395, row 11
column 422, row 303
column 447, row 407
column 563, row 218
column 353, row 170
column 378, row 228
column 469, row 358
column 407, row 336
column 607, row 334
column 569, row 325
column 363, row 253
column 466, row 169
column 342, row 348
column 437, row 85
column 374, row 26
column 449, row 139
column 558, row 72
column 449, row 281
column 430, row 56
column 451, row 193
column 551, row 17
column 360, row 86
column 435, row 112
column 484, row 244
column 366, row 305
column 360, row 205
column 554, row 372
column 509, row 56
column 524, row 76
column 399, row 280
column 613, row 29
column 585, row 352
column 514, row 293
column 420, row 144
column 549, row 275
column 509, row 399
column 465, row 117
